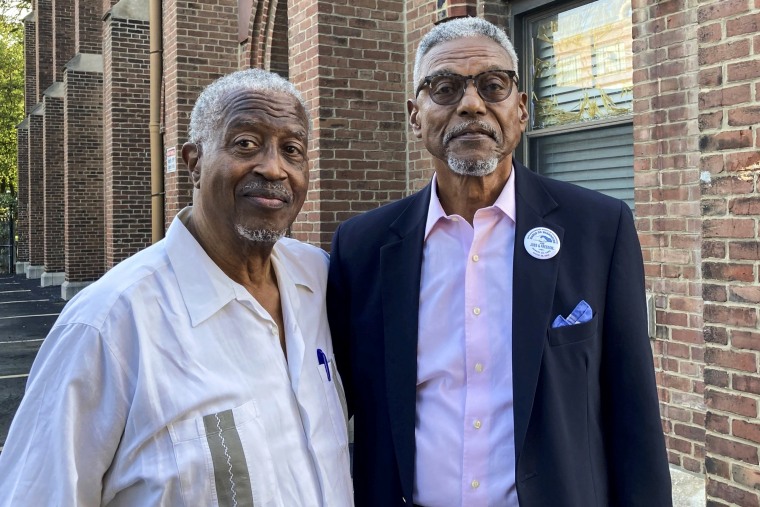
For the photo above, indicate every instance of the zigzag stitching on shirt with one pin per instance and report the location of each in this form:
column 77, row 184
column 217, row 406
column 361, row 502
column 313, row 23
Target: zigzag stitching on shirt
column 229, row 460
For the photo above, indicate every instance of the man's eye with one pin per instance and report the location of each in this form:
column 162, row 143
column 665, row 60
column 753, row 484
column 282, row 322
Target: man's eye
column 443, row 87
column 292, row 150
column 493, row 84
column 245, row 143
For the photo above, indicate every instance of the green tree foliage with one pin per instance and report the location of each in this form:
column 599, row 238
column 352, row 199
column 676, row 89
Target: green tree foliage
column 11, row 88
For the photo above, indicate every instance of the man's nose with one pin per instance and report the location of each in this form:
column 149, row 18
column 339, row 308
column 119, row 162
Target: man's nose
column 269, row 164
column 471, row 102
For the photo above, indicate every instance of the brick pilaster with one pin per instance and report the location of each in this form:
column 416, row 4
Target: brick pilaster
column 88, row 33
column 52, row 208
column 188, row 67
column 126, row 103
column 35, row 194
column 64, row 35
column 83, row 169
column 44, row 46
column 30, row 62
column 22, row 221
column 348, row 61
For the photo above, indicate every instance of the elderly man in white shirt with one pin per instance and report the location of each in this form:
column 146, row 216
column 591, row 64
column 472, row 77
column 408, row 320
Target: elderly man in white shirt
column 199, row 371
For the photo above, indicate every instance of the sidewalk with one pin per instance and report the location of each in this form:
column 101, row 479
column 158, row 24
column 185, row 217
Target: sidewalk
column 27, row 312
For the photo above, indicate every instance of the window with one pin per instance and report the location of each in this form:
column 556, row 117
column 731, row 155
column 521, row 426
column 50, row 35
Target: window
column 577, row 70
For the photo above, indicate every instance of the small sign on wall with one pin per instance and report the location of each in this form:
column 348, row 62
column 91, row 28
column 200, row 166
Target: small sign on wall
column 171, row 160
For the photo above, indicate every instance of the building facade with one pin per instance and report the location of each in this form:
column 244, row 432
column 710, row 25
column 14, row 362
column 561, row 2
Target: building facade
column 657, row 103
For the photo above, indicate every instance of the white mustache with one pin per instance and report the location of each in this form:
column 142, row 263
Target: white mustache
column 268, row 189
column 458, row 129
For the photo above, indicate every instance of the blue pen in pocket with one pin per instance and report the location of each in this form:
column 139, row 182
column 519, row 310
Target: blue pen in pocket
column 322, row 358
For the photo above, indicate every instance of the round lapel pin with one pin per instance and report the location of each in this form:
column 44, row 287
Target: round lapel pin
column 542, row 243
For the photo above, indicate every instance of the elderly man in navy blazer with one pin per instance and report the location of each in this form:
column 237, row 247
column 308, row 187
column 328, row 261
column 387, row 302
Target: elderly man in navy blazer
column 491, row 328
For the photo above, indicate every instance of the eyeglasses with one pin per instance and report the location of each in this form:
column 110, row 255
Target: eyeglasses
column 448, row 88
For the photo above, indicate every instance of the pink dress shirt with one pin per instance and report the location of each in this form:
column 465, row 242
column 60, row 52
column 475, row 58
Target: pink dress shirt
column 464, row 429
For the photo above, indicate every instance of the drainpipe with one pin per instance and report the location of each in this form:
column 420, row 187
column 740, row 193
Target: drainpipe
column 156, row 141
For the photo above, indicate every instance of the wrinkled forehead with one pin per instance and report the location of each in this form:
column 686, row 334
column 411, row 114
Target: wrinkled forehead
column 472, row 52
column 268, row 109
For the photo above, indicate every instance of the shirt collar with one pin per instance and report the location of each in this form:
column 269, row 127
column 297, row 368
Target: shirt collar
column 505, row 202
column 205, row 288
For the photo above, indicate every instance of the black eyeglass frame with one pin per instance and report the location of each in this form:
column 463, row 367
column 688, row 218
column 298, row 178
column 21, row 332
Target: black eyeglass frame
column 472, row 77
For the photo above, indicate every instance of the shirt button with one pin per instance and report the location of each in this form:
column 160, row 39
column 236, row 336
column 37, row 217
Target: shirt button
column 477, row 424
column 479, row 367
column 476, row 310
column 475, row 258
column 455, row 219
column 475, row 483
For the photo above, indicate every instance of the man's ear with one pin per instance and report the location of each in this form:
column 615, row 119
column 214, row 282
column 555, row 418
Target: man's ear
column 414, row 117
column 523, row 106
column 191, row 154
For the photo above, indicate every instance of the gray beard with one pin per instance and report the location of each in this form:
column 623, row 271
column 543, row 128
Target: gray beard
column 470, row 167
column 260, row 235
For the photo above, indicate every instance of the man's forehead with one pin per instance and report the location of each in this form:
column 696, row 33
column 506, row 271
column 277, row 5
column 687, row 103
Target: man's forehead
column 479, row 48
column 250, row 108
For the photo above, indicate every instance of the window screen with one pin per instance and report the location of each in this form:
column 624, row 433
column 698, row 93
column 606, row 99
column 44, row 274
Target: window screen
column 580, row 83
column 581, row 64
column 599, row 159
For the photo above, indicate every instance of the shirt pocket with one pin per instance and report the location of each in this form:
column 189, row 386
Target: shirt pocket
column 223, row 459
column 336, row 400
column 576, row 333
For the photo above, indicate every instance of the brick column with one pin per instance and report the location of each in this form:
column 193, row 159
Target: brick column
column 200, row 40
column 64, row 35
column 52, row 204
column 729, row 103
column 35, row 195
column 30, row 62
column 44, row 46
column 666, row 180
column 22, row 220
column 126, row 103
column 347, row 60
column 83, row 172
column 88, row 33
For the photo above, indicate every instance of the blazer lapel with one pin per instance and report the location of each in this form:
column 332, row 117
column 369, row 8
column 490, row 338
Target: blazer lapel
column 400, row 268
column 533, row 295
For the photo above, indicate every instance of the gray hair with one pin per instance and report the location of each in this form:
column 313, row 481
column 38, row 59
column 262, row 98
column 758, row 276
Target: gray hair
column 206, row 118
column 458, row 29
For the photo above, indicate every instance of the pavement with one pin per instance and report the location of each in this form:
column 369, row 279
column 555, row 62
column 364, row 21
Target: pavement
column 28, row 311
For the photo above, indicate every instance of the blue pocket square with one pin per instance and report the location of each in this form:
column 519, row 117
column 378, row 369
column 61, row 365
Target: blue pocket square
column 580, row 314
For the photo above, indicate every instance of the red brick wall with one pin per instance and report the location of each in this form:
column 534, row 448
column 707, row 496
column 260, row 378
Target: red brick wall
column 88, row 33
column 666, row 179
column 419, row 19
column 126, row 106
column 348, row 60
column 729, row 113
column 188, row 68
column 22, row 221
column 52, row 206
column 63, row 22
column 83, row 175
column 30, row 64
column 44, row 46
column 35, row 193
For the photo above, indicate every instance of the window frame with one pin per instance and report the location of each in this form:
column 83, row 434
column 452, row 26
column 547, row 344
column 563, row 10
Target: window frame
column 525, row 12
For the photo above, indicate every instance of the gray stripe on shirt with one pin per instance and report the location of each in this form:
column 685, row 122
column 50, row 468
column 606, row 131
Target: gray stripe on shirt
column 233, row 484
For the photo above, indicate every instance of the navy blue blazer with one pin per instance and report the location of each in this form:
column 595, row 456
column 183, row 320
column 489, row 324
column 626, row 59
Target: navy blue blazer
column 586, row 413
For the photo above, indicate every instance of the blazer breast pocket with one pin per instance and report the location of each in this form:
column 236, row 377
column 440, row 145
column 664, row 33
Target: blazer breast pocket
column 576, row 333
